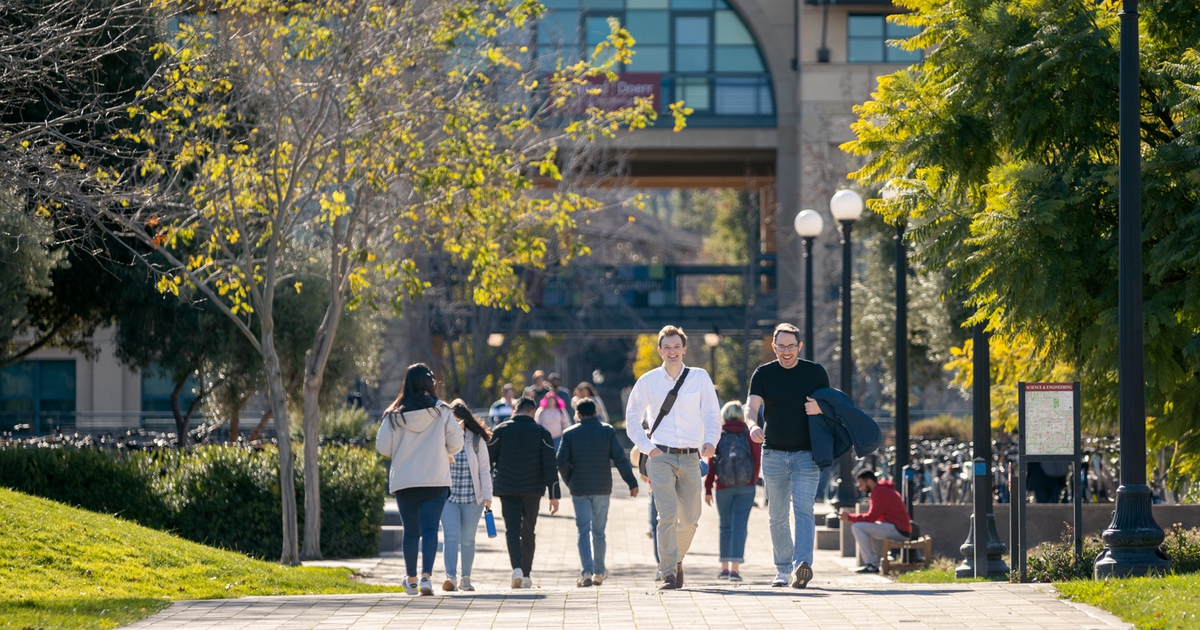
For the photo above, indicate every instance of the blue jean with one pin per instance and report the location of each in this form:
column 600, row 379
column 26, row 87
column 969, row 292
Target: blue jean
column 791, row 476
column 460, row 522
column 591, row 517
column 420, row 520
column 733, row 511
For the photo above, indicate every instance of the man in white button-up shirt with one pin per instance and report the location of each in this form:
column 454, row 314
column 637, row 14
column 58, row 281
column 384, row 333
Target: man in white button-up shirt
column 685, row 435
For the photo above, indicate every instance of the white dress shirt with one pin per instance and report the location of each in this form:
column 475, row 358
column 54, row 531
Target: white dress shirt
column 694, row 421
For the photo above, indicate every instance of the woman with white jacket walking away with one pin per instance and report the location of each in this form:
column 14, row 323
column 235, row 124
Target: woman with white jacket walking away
column 421, row 436
column 470, row 494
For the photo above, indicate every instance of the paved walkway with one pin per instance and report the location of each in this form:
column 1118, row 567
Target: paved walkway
column 837, row 597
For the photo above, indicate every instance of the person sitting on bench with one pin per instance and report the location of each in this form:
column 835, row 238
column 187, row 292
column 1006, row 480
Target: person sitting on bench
column 885, row 518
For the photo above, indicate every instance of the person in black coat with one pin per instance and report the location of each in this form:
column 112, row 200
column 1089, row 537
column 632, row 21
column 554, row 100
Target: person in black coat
column 585, row 456
column 524, row 466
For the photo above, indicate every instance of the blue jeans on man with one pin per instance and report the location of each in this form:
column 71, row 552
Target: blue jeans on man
column 791, row 475
column 591, row 517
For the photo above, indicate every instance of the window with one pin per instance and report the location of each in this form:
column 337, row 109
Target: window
column 156, row 393
column 868, row 40
column 40, row 394
column 702, row 50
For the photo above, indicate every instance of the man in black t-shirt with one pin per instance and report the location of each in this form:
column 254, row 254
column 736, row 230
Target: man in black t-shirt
column 783, row 388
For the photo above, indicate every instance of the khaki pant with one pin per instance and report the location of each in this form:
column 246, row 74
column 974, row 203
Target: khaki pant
column 868, row 540
column 675, row 480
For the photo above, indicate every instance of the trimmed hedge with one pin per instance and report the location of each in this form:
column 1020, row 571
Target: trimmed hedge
column 223, row 496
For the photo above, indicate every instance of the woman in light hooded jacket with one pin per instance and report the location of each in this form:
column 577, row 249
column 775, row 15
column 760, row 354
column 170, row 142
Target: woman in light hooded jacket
column 470, row 494
column 421, row 436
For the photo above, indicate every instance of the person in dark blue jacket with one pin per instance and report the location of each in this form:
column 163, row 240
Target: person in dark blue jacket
column 586, row 454
column 523, row 461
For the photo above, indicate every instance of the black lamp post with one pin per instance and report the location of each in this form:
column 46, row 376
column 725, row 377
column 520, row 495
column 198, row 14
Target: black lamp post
column 809, row 226
column 901, row 463
column 846, row 206
column 1131, row 541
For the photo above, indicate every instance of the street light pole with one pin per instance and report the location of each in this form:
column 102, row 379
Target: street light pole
column 809, row 226
column 846, row 206
column 1131, row 540
column 902, row 368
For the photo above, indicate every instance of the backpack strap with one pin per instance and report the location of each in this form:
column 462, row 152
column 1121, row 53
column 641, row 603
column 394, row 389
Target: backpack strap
column 668, row 402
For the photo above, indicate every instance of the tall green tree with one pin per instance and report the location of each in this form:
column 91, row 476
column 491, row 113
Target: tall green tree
column 1003, row 145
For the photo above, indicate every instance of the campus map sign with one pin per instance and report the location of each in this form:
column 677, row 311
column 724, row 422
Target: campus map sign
column 1049, row 419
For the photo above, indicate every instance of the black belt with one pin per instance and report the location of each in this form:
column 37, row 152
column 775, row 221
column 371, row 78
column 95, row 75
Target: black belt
column 676, row 451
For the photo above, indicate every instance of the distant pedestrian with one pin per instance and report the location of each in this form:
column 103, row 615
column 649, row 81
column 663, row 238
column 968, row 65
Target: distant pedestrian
column 525, row 469
column 687, row 422
column 421, row 436
column 587, row 390
column 502, row 409
column 552, row 415
column 470, row 495
column 784, row 388
column 886, row 518
column 734, row 472
column 588, row 452
column 539, row 387
column 563, row 394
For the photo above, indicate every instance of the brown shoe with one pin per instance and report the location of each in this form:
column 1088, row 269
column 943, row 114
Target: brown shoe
column 679, row 575
column 668, row 583
column 449, row 586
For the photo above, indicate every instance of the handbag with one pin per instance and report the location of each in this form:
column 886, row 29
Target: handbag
column 667, row 404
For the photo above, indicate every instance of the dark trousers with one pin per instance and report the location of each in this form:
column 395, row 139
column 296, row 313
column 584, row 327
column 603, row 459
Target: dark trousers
column 520, row 517
column 421, row 519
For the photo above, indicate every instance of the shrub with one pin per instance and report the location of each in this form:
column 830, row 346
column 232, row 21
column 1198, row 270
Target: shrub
column 223, row 496
column 1055, row 562
column 945, row 425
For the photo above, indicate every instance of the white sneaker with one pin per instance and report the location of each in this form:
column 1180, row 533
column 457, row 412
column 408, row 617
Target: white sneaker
column 584, row 580
column 465, row 584
column 526, row 582
column 517, row 579
column 450, row 585
column 781, row 579
column 599, row 578
column 426, row 586
column 410, row 588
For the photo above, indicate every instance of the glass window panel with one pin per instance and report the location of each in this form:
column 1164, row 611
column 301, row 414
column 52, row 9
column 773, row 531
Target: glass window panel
column 897, row 55
column 898, row 31
column 549, row 57
column 865, row 25
column 766, row 105
column 649, row 27
column 865, row 50
column 560, row 4
column 731, row 30
column 156, row 384
column 16, row 381
column 692, row 5
column 604, row 4
column 58, row 380
column 694, row 92
column 647, row 4
column 558, row 27
column 54, row 408
column 722, row 5
column 738, row 59
column 15, row 409
column 734, row 97
column 691, row 59
column 651, row 59
column 691, row 31
column 597, row 29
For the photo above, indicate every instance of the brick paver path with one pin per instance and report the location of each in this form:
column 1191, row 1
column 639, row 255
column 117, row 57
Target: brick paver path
column 837, row 598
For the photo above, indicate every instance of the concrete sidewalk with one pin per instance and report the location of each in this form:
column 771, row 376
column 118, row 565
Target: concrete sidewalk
column 837, row 597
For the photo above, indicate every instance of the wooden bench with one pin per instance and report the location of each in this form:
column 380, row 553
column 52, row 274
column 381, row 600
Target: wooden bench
column 923, row 544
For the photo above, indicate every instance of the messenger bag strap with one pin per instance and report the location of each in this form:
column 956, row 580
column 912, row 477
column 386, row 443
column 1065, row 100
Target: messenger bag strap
column 668, row 402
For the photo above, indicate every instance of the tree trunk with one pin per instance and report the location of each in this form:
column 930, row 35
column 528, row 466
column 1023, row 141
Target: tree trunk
column 181, row 423
column 262, row 424
column 290, row 555
column 235, row 419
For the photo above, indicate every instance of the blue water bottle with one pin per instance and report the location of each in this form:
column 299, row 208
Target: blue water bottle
column 491, row 522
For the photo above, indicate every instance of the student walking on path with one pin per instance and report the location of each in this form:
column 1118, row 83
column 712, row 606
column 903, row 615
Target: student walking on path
column 589, row 450
column 687, row 423
column 524, row 465
column 734, row 471
column 552, row 415
column 421, row 436
column 502, row 409
column 470, row 495
column 587, row 390
column 885, row 518
column 783, row 388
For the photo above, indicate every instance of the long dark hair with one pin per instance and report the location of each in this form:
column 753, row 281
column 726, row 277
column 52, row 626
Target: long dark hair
column 470, row 422
column 419, row 390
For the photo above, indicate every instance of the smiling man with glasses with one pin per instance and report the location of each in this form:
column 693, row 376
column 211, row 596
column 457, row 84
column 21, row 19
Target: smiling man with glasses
column 783, row 388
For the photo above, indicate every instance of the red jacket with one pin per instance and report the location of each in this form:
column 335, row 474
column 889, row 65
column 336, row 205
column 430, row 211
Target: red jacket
column 887, row 506
column 733, row 426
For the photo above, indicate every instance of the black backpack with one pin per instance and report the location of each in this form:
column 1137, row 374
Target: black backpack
column 734, row 461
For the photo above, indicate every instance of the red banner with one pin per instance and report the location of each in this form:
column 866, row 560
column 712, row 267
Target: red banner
column 618, row 94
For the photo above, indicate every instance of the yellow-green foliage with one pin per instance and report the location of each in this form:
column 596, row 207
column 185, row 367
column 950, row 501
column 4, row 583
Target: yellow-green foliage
column 944, row 425
column 62, row 567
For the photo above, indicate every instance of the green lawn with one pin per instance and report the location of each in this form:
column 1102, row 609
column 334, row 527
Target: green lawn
column 1151, row 602
column 62, row 567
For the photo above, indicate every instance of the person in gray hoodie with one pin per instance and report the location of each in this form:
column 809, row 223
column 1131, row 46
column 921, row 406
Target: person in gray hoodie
column 421, row 437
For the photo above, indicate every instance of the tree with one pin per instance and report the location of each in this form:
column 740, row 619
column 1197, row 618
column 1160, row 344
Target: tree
column 26, row 262
column 1003, row 143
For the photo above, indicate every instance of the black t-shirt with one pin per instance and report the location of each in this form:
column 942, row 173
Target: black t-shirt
column 784, row 392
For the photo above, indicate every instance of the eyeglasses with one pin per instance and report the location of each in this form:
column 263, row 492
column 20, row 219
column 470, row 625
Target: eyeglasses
column 788, row 348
